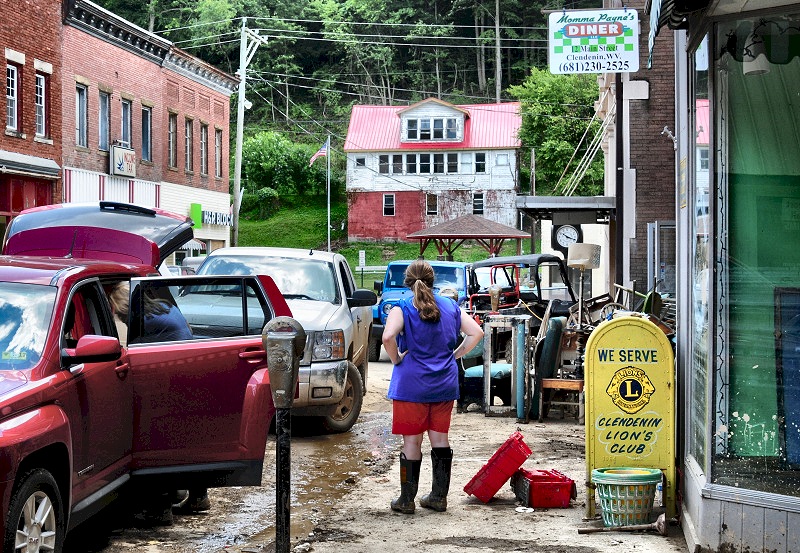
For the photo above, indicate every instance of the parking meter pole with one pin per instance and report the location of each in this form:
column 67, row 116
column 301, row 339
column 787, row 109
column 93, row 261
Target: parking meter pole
column 284, row 341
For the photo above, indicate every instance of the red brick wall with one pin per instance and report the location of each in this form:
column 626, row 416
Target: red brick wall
column 128, row 75
column 366, row 222
column 40, row 41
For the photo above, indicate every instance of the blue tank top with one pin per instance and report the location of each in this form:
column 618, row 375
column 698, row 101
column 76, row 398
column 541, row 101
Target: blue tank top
column 428, row 373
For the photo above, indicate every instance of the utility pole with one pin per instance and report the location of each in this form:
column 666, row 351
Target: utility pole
column 498, row 62
column 246, row 52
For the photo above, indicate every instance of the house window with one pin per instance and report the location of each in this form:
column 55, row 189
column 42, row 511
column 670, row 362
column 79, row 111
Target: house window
column 451, row 129
column 501, row 159
column 388, row 205
column 81, row 116
column 432, row 204
column 411, row 164
column 466, row 163
column 203, row 149
column 438, row 163
column 477, row 203
column 125, row 129
column 397, row 164
column 452, row 163
column 480, row 162
column 42, row 105
column 383, row 164
column 411, row 132
column 104, row 120
column 438, row 129
column 218, row 153
column 702, row 155
column 13, row 84
column 188, row 136
column 361, row 162
column 425, row 163
column 424, row 129
column 147, row 133
column 172, row 139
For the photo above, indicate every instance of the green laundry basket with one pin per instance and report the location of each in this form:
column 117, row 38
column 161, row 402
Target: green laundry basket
column 626, row 494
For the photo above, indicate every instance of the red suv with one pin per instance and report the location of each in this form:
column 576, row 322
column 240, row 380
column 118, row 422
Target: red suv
column 89, row 406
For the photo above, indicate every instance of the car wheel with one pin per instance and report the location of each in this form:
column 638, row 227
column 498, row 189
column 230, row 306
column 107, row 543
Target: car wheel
column 348, row 409
column 36, row 515
column 374, row 347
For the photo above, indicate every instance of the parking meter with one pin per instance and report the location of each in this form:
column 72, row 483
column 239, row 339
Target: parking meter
column 284, row 341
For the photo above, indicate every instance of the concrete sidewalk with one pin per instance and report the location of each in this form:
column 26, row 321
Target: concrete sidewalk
column 362, row 521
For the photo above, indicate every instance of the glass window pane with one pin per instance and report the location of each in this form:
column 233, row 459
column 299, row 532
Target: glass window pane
column 104, row 120
column 147, row 129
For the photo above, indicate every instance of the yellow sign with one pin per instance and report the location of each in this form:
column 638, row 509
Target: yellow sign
column 630, row 400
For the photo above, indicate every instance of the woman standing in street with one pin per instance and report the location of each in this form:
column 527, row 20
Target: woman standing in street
column 421, row 337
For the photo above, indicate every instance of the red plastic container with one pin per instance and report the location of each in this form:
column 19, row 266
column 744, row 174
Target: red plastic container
column 500, row 467
column 543, row 488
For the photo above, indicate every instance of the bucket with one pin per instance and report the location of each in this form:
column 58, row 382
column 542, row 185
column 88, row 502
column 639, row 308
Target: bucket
column 626, row 494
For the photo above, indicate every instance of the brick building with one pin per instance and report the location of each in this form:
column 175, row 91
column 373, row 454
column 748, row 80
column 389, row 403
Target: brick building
column 145, row 122
column 30, row 147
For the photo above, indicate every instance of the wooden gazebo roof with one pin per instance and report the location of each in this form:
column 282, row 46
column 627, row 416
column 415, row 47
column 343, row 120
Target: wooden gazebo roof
column 448, row 236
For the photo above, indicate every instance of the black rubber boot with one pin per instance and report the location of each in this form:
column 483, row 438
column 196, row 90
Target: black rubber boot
column 409, row 483
column 442, row 459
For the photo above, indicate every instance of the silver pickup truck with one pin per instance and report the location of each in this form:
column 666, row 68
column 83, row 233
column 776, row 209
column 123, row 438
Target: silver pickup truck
column 321, row 292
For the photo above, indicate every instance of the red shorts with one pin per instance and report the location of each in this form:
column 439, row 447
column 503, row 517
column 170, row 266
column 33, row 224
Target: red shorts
column 410, row 419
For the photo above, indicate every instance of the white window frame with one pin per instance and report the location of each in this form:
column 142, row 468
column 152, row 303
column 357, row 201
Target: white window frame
column 81, row 116
column 480, row 161
column 425, row 162
column 451, row 163
column 466, row 163
column 12, row 97
column 389, row 205
column 383, row 164
column 411, row 164
column 104, row 120
column 218, row 153
column 188, row 130
column 438, row 163
column 477, row 203
column 172, row 141
column 397, row 164
column 431, row 199
column 126, row 107
column 41, row 96
column 501, row 159
column 451, row 128
column 203, row 149
column 437, row 129
column 412, row 129
column 147, row 133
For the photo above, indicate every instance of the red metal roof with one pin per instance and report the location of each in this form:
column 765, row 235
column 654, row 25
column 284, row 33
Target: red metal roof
column 489, row 126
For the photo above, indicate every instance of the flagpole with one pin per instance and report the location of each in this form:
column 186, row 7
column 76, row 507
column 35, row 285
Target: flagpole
column 328, row 186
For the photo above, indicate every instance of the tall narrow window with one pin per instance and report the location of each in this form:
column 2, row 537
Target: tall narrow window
column 438, row 129
column 397, row 164
column 81, row 116
column 172, row 139
column 432, row 204
column 438, row 163
column 466, row 163
column 42, row 105
column 451, row 131
column 388, row 205
column 411, row 164
column 188, row 144
column 12, row 97
column 383, row 164
column 425, row 163
column 411, row 133
column 452, row 163
column 218, row 153
column 125, row 128
column 480, row 162
column 104, row 120
column 203, row 149
column 477, row 203
column 147, row 133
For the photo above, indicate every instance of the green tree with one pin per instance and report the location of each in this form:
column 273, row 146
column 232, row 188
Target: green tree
column 557, row 124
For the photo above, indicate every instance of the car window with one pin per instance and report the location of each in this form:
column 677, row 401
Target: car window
column 25, row 312
column 307, row 279
column 86, row 314
column 448, row 277
column 347, row 280
column 396, row 275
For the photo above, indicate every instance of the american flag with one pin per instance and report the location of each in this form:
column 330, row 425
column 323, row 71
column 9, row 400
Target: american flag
column 323, row 151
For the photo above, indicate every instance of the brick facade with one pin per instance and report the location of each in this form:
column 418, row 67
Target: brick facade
column 366, row 221
column 31, row 48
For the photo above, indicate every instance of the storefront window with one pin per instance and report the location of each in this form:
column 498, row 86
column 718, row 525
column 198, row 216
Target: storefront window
column 756, row 214
column 699, row 382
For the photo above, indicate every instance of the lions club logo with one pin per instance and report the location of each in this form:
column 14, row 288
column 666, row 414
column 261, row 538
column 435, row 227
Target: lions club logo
column 630, row 389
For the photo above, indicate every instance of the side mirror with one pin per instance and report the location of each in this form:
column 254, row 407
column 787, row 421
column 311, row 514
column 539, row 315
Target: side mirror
column 362, row 298
column 92, row 349
column 378, row 286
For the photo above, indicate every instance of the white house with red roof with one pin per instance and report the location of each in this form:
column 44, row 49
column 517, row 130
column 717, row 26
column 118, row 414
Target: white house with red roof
column 412, row 167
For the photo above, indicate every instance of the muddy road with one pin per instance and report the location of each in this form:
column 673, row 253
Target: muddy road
column 324, row 468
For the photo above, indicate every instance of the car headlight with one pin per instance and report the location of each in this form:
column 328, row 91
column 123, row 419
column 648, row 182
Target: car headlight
column 328, row 345
column 387, row 307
